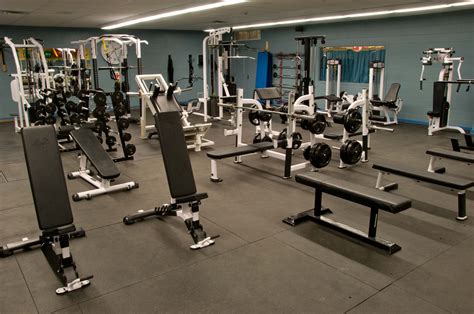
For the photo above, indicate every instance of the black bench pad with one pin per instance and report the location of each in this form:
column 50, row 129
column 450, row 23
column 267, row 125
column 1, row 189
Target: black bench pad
column 449, row 154
column 356, row 193
column 238, row 151
column 422, row 175
column 46, row 174
column 91, row 147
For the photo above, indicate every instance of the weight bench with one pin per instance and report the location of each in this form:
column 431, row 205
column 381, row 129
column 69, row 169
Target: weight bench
column 107, row 171
column 235, row 152
column 434, row 178
column 373, row 198
column 447, row 154
column 53, row 210
column 180, row 180
column 468, row 139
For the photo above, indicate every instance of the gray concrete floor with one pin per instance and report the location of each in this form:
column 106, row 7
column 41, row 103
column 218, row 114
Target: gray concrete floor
column 258, row 264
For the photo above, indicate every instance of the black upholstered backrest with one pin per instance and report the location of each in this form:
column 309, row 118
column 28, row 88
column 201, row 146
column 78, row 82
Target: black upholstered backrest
column 439, row 96
column 175, row 154
column 392, row 93
column 46, row 174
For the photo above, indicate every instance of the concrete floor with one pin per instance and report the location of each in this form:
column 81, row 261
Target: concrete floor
column 258, row 264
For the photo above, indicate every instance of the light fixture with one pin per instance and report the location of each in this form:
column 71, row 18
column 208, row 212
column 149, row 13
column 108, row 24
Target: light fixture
column 355, row 15
column 175, row 13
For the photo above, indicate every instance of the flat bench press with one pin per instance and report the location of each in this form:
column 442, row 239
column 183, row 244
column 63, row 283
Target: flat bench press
column 180, row 180
column 373, row 198
column 434, row 178
column 53, row 210
column 92, row 151
column 235, row 152
column 437, row 153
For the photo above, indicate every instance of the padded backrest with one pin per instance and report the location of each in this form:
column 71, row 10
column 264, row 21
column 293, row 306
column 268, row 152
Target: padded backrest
column 175, row 154
column 165, row 105
column 439, row 98
column 392, row 93
column 92, row 148
column 46, row 174
column 268, row 93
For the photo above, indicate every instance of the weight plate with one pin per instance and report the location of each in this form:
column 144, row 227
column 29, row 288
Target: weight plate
column 117, row 97
column 71, row 106
column 317, row 125
column 120, row 110
column 123, row 123
column 351, row 152
column 110, row 140
column 352, row 120
column 100, row 99
column 319, row 155
column 284, row 109
column 130, row 149
column 126, row 136
column 297, row 140
column 254, row 117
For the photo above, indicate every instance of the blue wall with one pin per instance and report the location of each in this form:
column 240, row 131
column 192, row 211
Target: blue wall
column 404, row 38
column 154, row 56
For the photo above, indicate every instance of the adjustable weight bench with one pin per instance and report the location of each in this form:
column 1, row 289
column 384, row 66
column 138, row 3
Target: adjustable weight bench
column 447, row 154
column 373, row 198
column 53, row 210
column 107, row 171
column 434, row 178
column 235, row 152
column 180, row 180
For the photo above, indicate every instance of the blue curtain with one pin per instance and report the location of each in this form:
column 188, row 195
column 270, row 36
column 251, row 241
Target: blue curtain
column 355, row 65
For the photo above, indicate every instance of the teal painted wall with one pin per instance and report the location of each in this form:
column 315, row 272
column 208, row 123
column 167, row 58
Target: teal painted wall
column 404, row 38
column 154, row 56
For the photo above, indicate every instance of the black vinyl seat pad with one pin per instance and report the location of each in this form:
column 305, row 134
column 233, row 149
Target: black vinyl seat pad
column 92, row 148
column 423, row 175
column 175, row 153
column 241, row 150
column 356, row 193
column 46, row 176
column 449, row 154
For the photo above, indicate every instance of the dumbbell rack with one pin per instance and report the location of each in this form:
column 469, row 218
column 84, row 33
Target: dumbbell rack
column 286, row 61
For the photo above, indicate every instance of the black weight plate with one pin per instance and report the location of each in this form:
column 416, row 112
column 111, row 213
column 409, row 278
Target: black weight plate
column 265, row 116
column 123, row 123
column 99, row 112
column 126, row 136
column 254, row 117
column 284, row 109
column 297, row 140
column 110, row 140
column 50, row 108
column 100, row 99
column 351, row 152
column 120, row 110
column 130, row 149
column 317, row 125
column 352, row 120
column 257, row 138
column 117, row 97
column 71, row 106
column 319, row 155
column 50, row 120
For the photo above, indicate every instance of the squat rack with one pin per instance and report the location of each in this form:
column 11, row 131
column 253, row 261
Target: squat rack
column 37, row 78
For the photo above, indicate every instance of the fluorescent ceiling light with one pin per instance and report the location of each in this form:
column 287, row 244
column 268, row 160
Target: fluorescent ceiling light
column 355, row 15
column 175, row 13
